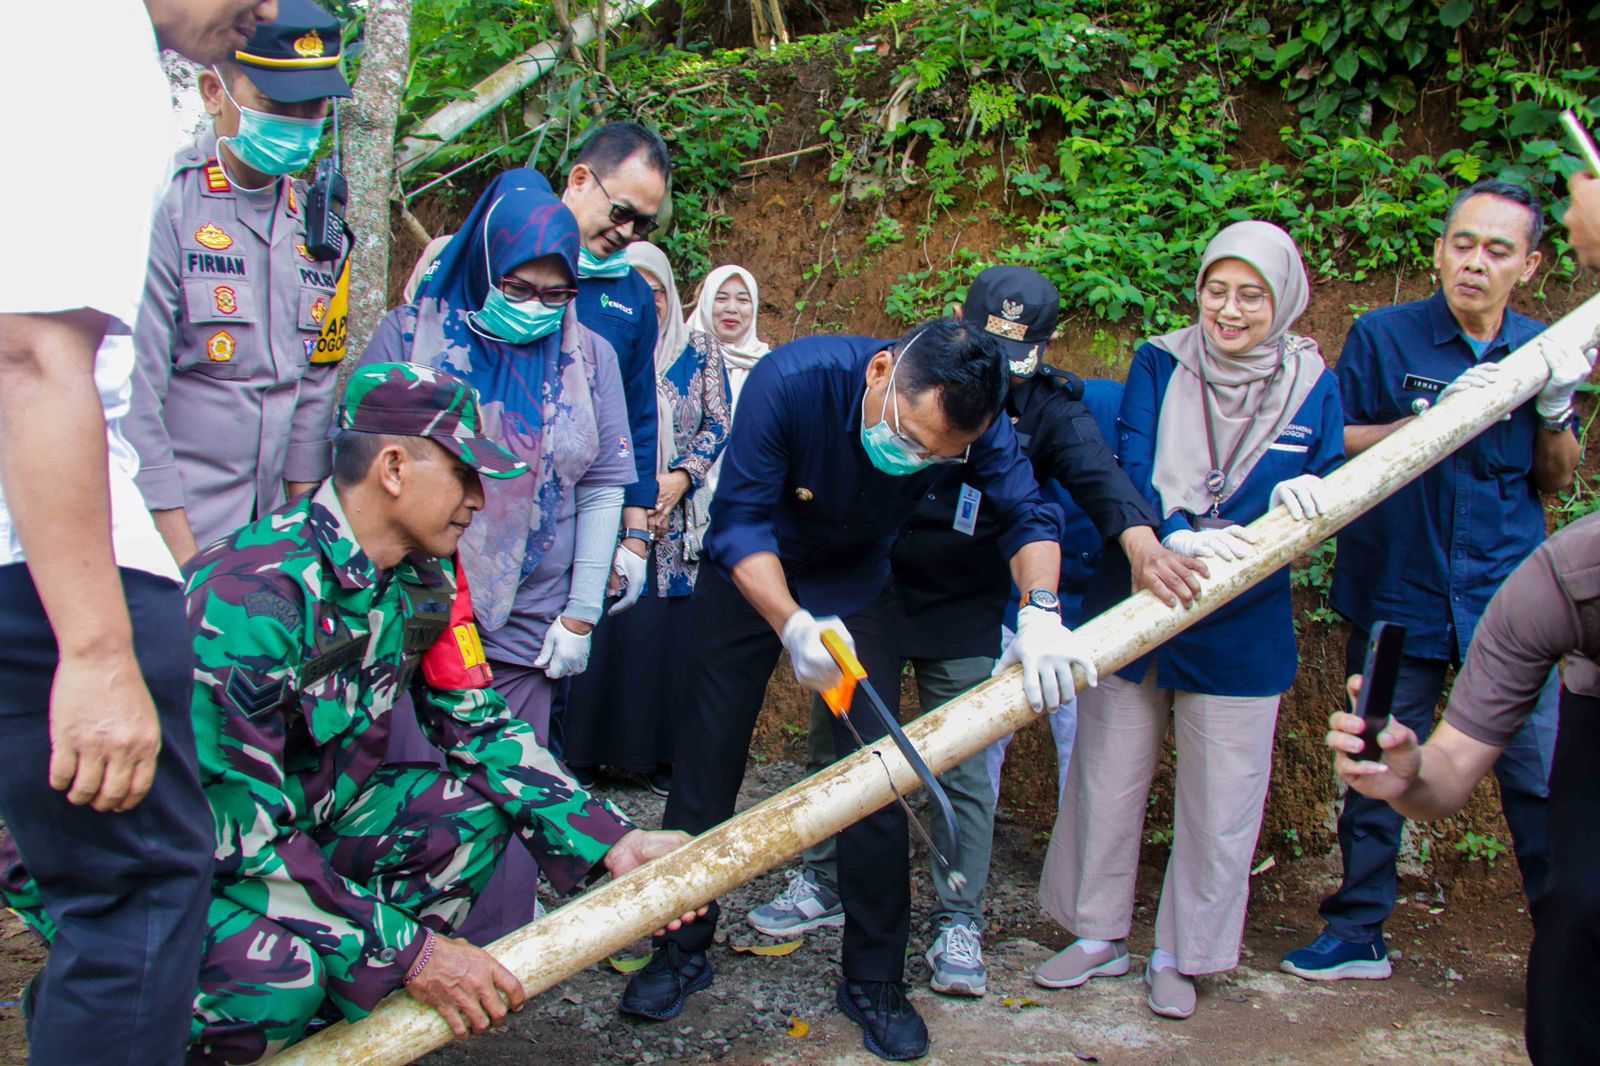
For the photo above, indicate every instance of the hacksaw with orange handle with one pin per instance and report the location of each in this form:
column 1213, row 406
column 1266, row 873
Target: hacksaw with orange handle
column 839, row 698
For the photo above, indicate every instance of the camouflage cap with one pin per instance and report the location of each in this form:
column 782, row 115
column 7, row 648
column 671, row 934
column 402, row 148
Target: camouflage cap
column 412, row 400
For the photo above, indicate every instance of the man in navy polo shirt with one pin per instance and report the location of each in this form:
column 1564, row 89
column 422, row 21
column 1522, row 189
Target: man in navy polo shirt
column 837, row 440
column 614, row 190
column 1432, row 555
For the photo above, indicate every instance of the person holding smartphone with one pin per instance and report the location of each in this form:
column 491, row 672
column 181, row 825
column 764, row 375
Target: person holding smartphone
column 1465, row 524
column 1547, row 610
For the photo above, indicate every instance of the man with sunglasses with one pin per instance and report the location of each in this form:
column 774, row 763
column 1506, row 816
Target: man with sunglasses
column 614, row 190
column 234, row 393
column 837, row 440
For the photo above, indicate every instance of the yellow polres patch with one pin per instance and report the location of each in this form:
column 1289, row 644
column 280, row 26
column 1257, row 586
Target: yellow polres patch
column 213, row 236
column 309, row 46
column 221, row 346
column 226, row 299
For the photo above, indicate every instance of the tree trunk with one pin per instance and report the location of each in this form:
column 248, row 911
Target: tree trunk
column 368, row 128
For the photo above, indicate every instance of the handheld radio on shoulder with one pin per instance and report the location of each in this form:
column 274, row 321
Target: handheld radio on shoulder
column 325, row 202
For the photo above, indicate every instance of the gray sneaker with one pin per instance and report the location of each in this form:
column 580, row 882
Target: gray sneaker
column 803, row 906
column 957, row 959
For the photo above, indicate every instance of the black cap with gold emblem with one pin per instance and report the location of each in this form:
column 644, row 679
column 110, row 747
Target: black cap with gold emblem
column 1017, row 307
column 295, row 57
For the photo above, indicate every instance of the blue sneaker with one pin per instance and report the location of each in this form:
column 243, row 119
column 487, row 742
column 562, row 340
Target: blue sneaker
column 1328, row 958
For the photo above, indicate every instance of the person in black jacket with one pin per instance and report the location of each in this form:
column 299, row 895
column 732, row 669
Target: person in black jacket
column 951, row 581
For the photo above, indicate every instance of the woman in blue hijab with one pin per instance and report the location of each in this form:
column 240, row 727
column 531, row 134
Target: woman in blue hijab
column 496, row 309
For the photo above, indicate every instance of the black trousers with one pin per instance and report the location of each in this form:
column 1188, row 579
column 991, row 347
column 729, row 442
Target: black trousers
column 1564, row 966
column 733, row 660
column 127, row 893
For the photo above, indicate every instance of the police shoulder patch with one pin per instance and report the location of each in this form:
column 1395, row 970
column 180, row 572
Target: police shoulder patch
column 271, row 605
column 216, row 178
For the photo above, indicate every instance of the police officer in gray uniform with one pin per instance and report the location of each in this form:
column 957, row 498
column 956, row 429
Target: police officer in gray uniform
column 236, row 344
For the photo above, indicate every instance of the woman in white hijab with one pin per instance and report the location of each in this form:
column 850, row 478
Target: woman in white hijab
column 620, row 708
column 1220, row 421
column 727, row 308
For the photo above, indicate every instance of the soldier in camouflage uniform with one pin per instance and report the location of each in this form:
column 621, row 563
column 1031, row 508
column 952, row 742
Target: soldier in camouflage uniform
column 338, row 879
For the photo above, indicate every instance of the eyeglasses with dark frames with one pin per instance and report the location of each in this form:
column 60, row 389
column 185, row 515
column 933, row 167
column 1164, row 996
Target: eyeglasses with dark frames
column 622, row 214
column 520, row 292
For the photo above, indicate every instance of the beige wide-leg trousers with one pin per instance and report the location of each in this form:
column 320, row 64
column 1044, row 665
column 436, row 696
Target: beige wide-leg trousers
column 1224, row 762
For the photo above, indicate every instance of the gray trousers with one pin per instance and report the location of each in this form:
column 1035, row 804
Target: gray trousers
column 968, row 785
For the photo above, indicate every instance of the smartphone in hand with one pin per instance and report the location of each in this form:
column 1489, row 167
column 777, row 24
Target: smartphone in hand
column 1385, row 647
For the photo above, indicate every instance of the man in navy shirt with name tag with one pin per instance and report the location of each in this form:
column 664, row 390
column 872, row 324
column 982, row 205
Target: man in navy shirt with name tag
column 1432, row 555
column 837, row 440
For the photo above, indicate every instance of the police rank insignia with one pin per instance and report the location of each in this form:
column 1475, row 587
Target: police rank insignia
column 308, row 46
column 212, row 236
column 227, row 300
column 319, row 310
column 216, row 177
column 294, row 209
column 220, row 348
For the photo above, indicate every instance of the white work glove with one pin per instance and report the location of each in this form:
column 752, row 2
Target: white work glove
column 632, row 570
column 1568, row 370
column 802, row 639
column 1301, row 495
column 1475, row 377
column 1233, row 542
column 564, row 654
column 1047, row 650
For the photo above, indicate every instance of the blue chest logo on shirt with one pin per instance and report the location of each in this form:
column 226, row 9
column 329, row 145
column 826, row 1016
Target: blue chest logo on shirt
column 608, row 304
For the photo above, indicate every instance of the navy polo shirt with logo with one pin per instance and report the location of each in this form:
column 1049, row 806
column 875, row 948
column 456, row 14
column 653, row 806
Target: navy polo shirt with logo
column 1433, row 554
column 796, row 481
column 623, row 311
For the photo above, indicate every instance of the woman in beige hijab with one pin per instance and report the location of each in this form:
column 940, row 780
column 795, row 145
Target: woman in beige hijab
column 1220, row 421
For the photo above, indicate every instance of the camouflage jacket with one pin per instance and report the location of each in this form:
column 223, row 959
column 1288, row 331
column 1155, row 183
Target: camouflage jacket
column 301, row 647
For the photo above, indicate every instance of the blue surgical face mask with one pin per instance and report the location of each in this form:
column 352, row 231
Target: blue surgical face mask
column 884, row 446
column 274, row 144
column 617, row 266
column 517, row 323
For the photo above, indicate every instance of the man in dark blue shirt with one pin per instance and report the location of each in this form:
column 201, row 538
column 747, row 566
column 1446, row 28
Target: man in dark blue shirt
column 614, row 190
column 954, row 591
column 1431, row 556
column 836, row 440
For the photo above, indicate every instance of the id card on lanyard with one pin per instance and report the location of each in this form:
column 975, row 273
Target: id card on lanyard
column 967, row 510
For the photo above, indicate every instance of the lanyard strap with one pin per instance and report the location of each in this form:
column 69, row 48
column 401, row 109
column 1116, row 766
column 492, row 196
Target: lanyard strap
column 1216, row 482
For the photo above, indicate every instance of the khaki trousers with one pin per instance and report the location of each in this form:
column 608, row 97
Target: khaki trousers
column 1224, row 762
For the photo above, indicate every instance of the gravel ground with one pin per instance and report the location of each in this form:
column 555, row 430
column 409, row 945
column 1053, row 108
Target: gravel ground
column 1448, row 1002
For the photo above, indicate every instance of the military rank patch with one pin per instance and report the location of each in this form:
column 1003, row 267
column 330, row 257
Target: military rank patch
column 226, row 299
column 212, row 236
column 252, row 696
column 271, row 605
column 319, row 310
column 220, row 348
column 216, row 177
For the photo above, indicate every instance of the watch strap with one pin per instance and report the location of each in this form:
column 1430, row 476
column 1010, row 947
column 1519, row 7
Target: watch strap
column 632, row 533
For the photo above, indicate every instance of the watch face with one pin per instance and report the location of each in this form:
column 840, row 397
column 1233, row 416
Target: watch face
column 1041, row 598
